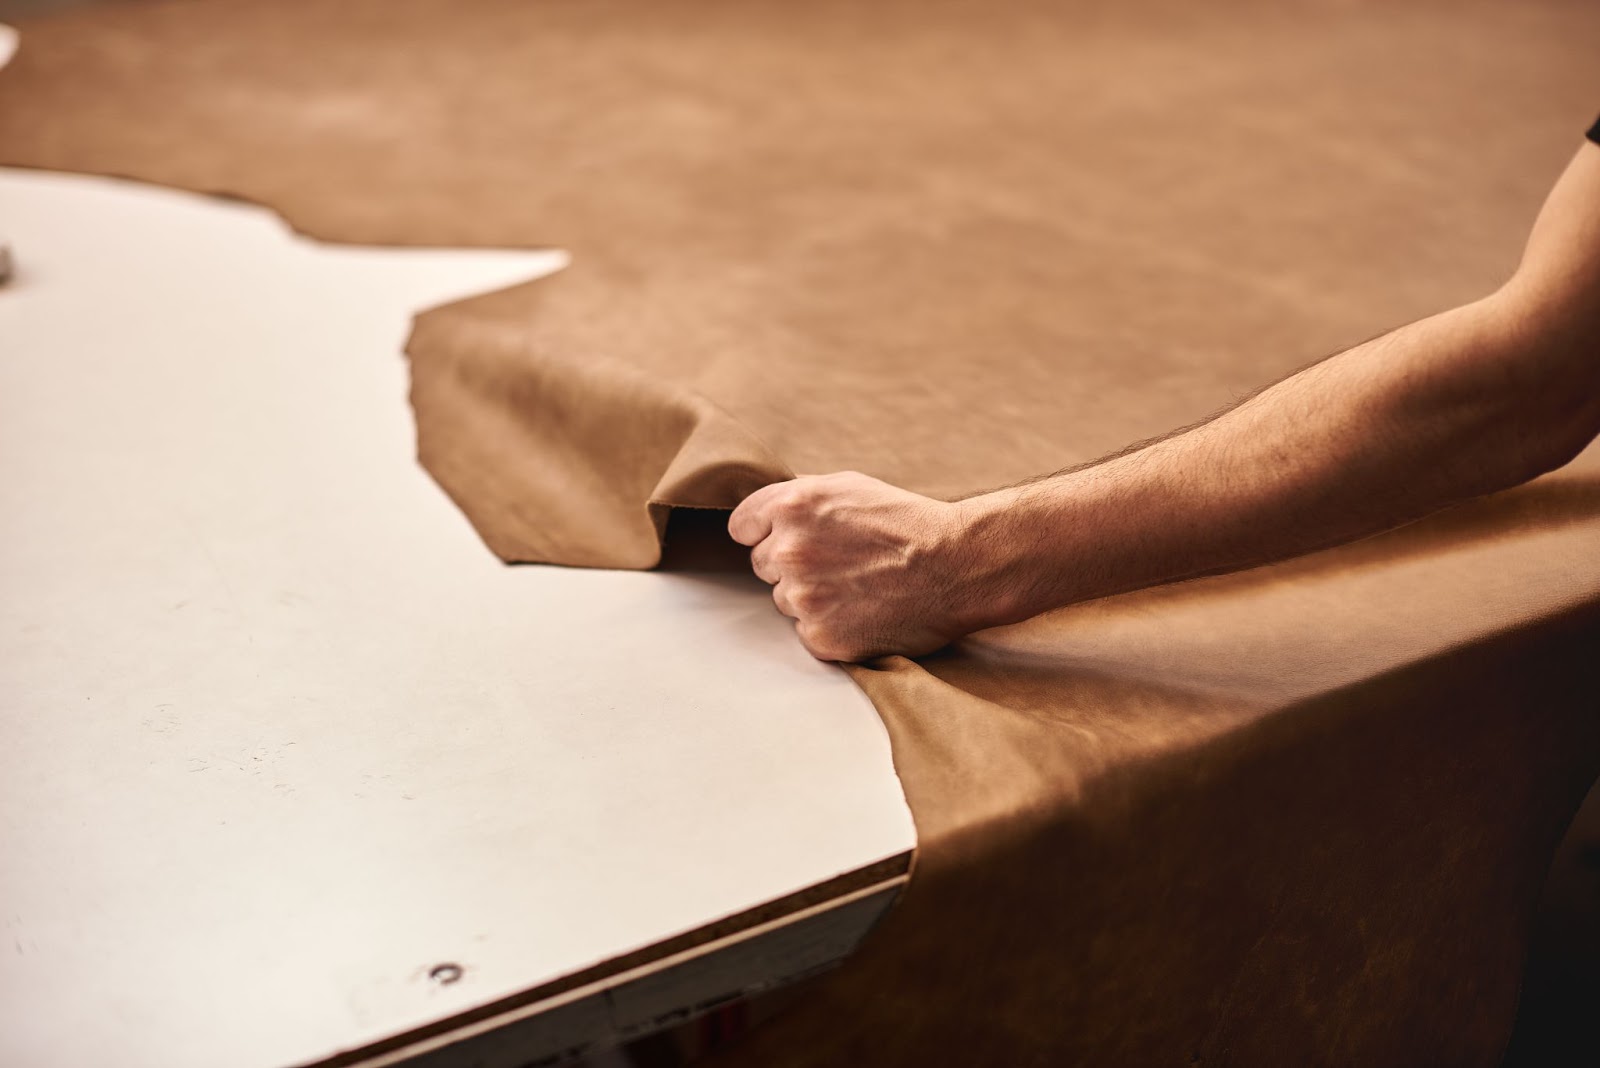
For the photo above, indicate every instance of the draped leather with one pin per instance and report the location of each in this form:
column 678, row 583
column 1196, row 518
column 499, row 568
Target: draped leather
column 1297, row 815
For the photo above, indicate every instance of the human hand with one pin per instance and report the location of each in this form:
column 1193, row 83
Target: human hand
column 863, row 568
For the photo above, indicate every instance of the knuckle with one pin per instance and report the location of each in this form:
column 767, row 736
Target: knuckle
column 809, row 491
column 793, row 554
column 840, row 652
column 821, row 650
column 806, row 597
column 823, row 644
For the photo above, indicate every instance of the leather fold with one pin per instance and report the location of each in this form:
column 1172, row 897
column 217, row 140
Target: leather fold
column 571, row 460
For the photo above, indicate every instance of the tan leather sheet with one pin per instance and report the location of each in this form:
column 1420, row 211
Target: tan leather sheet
column 1298, row 815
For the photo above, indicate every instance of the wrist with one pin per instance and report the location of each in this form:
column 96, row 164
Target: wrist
column 998, row 564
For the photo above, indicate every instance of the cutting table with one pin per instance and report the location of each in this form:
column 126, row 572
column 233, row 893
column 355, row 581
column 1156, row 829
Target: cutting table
column 295, row 771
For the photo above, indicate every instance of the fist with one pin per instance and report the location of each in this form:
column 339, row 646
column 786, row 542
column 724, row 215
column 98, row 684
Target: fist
column 864, row 569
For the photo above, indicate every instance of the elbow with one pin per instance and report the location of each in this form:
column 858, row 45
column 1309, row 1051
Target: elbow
column 1539, row 449
column 1546, row 389
column 1566, row 438
column 1538, row 431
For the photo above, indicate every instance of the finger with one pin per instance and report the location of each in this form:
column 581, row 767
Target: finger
column 819, row 644
column 752, row 520
column 780, row 597
column 763, row 564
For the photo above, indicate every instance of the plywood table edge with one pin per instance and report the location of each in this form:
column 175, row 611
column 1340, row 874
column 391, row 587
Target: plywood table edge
column 884, row 878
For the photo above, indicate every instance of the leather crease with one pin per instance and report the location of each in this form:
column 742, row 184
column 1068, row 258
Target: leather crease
column 494, row 411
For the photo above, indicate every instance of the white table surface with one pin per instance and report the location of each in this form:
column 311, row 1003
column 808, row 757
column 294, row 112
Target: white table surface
column 277, row 733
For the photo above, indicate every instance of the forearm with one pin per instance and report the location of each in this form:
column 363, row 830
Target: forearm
column 1465, row 403
column 1404, row 425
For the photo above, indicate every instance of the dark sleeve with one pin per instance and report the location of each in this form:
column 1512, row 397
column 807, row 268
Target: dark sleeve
column 1594, row 132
